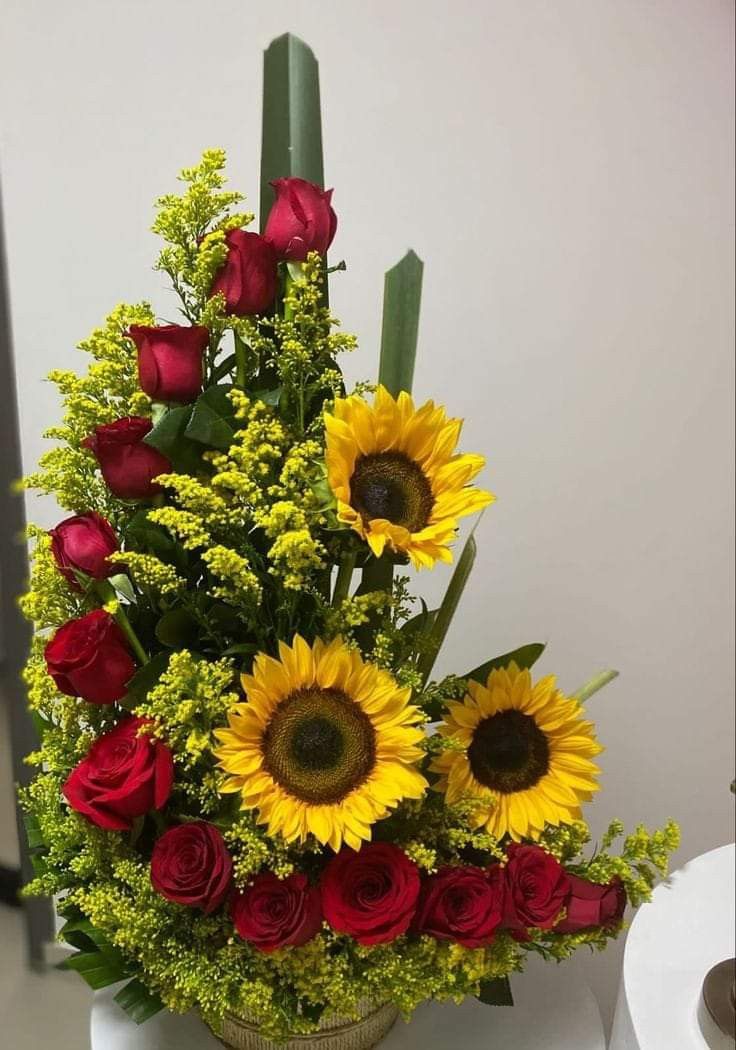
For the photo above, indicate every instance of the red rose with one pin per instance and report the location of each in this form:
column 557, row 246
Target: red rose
column 82, row 544
column 278, row 913
column 170, row 360
column 460, row 904
column 89, row 657
column 301, row 219
column 191, row 866
column 128, row 465
column 123, row 777
column 591, row 904
column 537, row 888
column 371, row 895
column 249, row 276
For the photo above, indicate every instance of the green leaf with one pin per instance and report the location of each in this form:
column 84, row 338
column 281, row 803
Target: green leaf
column 99, row 968
column 147, row 677
column 269, row 397
column 177, row 629
column 447, row 609
column 496, row 992
column 525, row 656
column 89, row 937
column 33, row 831
column 423, row 620
column 402, row 296
column 123, row 586
column 223, row 368
column 212, row 420
column 168, row 436
column 241, row 649
column 292, row 125
column 138, row 1003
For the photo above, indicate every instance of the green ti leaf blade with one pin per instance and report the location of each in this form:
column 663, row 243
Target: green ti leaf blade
column 524, row 657
column 292, row 125
column 448, row 607
column 138, row 1003
column 402, row 297
column 99, row 968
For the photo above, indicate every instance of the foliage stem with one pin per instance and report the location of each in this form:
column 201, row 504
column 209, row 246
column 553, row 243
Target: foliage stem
column 107, row 593
column 344, row 578
column 593, row 685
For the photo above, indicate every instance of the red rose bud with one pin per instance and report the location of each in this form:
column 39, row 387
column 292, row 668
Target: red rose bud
column 371, row 895
column 191, row 866
column 537, row 889
column 249, row 276
column 278, row 913
column 124, row 776
column 462, row 905
column 170, row 360
column 593, row 905
column 128, row 465
column 301, row 219
column 82, row 544
column 89, row 658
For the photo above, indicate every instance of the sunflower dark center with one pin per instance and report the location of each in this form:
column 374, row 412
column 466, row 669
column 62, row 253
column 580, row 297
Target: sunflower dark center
column 509, row 752
column 392, row 486
column 319, row 745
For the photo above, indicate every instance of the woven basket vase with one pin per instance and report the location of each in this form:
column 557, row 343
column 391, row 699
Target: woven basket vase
column 239, row 1033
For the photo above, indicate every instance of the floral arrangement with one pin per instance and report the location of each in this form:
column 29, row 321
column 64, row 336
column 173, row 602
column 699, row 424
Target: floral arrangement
column 241, row 799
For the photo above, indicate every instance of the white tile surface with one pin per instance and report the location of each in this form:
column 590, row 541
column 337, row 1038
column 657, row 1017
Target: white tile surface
column 38, row 1011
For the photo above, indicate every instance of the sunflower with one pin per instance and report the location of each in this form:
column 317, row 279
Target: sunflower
column 325, row 743
column 396, row 476
column 524, row 750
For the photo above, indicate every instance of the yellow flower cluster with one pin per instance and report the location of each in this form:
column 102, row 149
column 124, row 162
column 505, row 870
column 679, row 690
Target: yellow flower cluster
column 149, row 572
column 183, row 525
column 239, row 583
column 294, row 556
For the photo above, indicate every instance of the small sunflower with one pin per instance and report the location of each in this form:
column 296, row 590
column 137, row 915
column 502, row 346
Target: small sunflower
column 324, row 743
column 396, row 476
column 525, row 751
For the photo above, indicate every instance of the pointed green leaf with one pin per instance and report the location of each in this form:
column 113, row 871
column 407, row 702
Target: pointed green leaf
column 525, row 657
column 447, row 609
column 496, row 992
column 402, row 297
column 169, row 438
column 147, row 676
column 292, row 125
column 138, row 1003
column 213, row 419
column 33, row 831
column 99, row 968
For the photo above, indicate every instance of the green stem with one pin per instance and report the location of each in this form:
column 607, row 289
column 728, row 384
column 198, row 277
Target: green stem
column 344, row 578
column 593, row 685
column 240, row 362
column 107, row 593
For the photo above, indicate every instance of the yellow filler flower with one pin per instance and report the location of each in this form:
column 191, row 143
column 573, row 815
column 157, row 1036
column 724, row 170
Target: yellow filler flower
column 324, row 743
column 523, row 749
column 396, row 476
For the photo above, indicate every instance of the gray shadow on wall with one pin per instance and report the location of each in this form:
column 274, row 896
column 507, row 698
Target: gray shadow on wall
column 15, row 633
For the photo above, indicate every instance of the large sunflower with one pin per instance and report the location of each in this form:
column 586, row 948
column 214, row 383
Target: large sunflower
column 325, row 743
column 396, row 476
column 526, row 752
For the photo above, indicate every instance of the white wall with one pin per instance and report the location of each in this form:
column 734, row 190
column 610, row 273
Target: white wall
column 566, row 171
